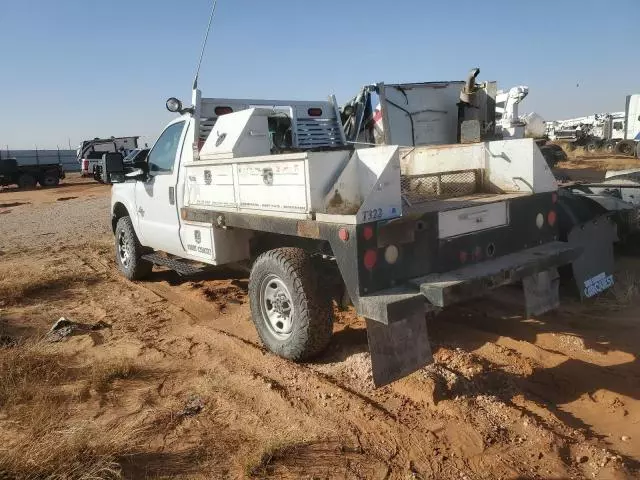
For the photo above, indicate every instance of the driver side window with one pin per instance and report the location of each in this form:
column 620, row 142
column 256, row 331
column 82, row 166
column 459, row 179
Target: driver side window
column 163, row 155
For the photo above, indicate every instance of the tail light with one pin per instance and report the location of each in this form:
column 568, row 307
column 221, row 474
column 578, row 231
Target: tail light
column 551, row 218
column 315, row 112
column 367, row 232
column 370, row 259
column 222, row 110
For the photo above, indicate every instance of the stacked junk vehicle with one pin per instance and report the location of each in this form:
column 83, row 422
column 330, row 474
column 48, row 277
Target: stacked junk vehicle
column 401, row 210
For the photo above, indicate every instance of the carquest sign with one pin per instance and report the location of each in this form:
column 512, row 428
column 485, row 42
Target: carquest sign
column 597, row 284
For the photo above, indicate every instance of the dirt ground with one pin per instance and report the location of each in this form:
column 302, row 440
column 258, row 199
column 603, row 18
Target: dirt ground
column 166, row 378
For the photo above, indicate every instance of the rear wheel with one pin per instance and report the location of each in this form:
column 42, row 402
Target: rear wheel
column 50, row 179
column 626, row 148
column 26, row 180
column 610, row 147
column 129, row 251
column 592, row 147
column 292, row 315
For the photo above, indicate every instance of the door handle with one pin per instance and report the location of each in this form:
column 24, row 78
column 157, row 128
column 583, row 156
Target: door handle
column 172, row 195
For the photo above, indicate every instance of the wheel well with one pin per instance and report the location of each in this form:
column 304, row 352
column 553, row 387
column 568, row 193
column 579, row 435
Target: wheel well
column 319, row 250
column 264, row 241
column 119, row 211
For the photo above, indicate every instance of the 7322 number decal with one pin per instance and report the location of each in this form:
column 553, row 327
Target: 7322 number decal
column 374, row 214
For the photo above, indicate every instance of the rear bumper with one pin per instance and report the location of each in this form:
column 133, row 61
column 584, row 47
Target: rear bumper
column 441, row 290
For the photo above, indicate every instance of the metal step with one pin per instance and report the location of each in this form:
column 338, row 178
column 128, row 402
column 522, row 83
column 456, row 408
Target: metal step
column 181, row 267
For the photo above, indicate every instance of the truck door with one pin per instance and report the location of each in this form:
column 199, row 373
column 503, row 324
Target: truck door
column 156, row 205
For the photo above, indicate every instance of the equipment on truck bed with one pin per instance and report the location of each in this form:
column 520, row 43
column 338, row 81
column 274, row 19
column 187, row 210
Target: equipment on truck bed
column 582, row 221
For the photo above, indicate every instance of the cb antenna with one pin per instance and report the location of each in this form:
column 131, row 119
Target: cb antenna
column 204, row 43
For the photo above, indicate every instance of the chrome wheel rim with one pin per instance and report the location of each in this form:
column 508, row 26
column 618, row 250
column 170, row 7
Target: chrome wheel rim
column 276, row 306
column 123, row 249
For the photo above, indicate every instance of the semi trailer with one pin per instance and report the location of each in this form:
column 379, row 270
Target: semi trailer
column 394, row 230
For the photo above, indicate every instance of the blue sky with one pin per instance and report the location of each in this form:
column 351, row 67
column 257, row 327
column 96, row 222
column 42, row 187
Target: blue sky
column 74, row 69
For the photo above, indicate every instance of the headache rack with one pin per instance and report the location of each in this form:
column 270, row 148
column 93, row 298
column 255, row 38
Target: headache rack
column 304, row 124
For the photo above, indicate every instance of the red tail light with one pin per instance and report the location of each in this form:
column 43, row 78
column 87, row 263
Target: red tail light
column 370, row 259
column 315, row 112
column 551, row 218
column 367, row 232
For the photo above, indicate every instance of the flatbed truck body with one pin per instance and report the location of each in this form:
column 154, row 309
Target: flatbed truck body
column 395, row 230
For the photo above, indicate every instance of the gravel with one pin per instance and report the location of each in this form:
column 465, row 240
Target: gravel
column 69, row 222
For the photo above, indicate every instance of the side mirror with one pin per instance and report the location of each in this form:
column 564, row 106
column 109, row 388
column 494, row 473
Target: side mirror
column 111, row 168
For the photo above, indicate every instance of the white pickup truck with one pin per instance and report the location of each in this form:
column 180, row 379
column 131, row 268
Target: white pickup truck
column 393, row 230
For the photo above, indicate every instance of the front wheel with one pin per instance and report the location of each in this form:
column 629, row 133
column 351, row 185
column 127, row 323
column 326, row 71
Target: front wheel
column 26, row 181
column 129, row 251
column 291, row 314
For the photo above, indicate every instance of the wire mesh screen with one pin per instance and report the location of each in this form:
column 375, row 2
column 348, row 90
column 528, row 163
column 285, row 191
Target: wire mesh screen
column 432, row 186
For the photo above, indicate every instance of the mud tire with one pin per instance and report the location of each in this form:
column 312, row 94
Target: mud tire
column 312, row 318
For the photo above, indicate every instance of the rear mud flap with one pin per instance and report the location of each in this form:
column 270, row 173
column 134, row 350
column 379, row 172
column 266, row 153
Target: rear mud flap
column 398, row 349
column 593, row 269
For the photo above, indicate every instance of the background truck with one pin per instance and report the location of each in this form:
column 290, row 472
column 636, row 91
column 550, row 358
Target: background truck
column 90, row 152
column 393, row 230
column 617, row 132
column 28, row 172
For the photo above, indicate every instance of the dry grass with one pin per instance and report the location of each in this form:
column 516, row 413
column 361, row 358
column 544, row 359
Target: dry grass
column 625, row 292
column 26, row 370
column 18, row 284
column 104, row 373
column 46, row 434
column 259, row 463
column 78, row 450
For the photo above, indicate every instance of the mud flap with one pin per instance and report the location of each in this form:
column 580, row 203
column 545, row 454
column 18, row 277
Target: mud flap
column 398, row 349
column 541, row 292
column 593, row 269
